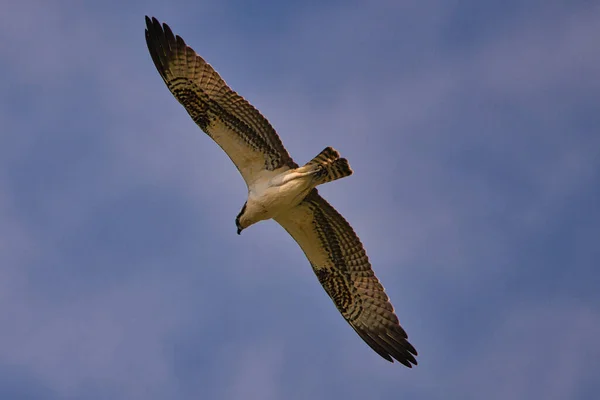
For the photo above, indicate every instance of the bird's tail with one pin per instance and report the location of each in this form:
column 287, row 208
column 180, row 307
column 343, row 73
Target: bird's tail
column 328, row 166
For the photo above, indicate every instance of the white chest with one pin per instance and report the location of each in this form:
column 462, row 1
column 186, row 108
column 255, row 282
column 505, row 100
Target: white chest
column 277, row 194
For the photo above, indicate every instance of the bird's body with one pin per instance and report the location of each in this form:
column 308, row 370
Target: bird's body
column 279, row 189
column 273, row 193
column 269, row 196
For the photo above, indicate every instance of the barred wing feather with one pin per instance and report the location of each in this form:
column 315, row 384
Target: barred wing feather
column 341, row 264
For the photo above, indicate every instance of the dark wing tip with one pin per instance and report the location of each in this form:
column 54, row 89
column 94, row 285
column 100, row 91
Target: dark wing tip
column 404, row 352
column 152, row 24
column 168, row 33
column 399, row 349
column 162, row 45
column 154, row 30
column 158, row 31
column 390, row 344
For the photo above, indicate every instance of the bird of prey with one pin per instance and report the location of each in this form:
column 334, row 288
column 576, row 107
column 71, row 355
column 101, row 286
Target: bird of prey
column 280, row 189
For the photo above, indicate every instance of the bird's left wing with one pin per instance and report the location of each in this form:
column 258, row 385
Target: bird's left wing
column 342, row 267
column 239, row 128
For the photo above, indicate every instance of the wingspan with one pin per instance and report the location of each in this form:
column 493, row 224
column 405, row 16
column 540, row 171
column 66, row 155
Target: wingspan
column 342, row 267
column 239, row 128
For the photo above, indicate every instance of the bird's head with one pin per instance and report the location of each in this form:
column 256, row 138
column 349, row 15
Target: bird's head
column 239, row 220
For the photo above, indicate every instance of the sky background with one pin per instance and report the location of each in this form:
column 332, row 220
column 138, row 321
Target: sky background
column 473, row 129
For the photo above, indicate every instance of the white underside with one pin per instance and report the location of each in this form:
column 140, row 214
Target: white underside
column 275, row 193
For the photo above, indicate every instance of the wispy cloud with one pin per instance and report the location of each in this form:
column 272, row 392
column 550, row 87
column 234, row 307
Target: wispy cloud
column 475, row 155
column 535, row 351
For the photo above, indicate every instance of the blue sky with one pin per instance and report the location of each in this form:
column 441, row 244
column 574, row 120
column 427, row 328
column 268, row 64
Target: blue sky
column 472, row 128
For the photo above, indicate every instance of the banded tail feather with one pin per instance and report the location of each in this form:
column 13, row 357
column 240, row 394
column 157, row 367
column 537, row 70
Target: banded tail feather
column 329, row 166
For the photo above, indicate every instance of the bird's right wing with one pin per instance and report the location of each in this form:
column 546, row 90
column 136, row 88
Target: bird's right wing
column 342, row 267
column 239, row 128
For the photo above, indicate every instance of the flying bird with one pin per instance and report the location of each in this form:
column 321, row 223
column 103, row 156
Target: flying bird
column 280, row 189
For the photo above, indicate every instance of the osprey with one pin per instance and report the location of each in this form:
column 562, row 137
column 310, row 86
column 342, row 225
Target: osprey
column 280, row 189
